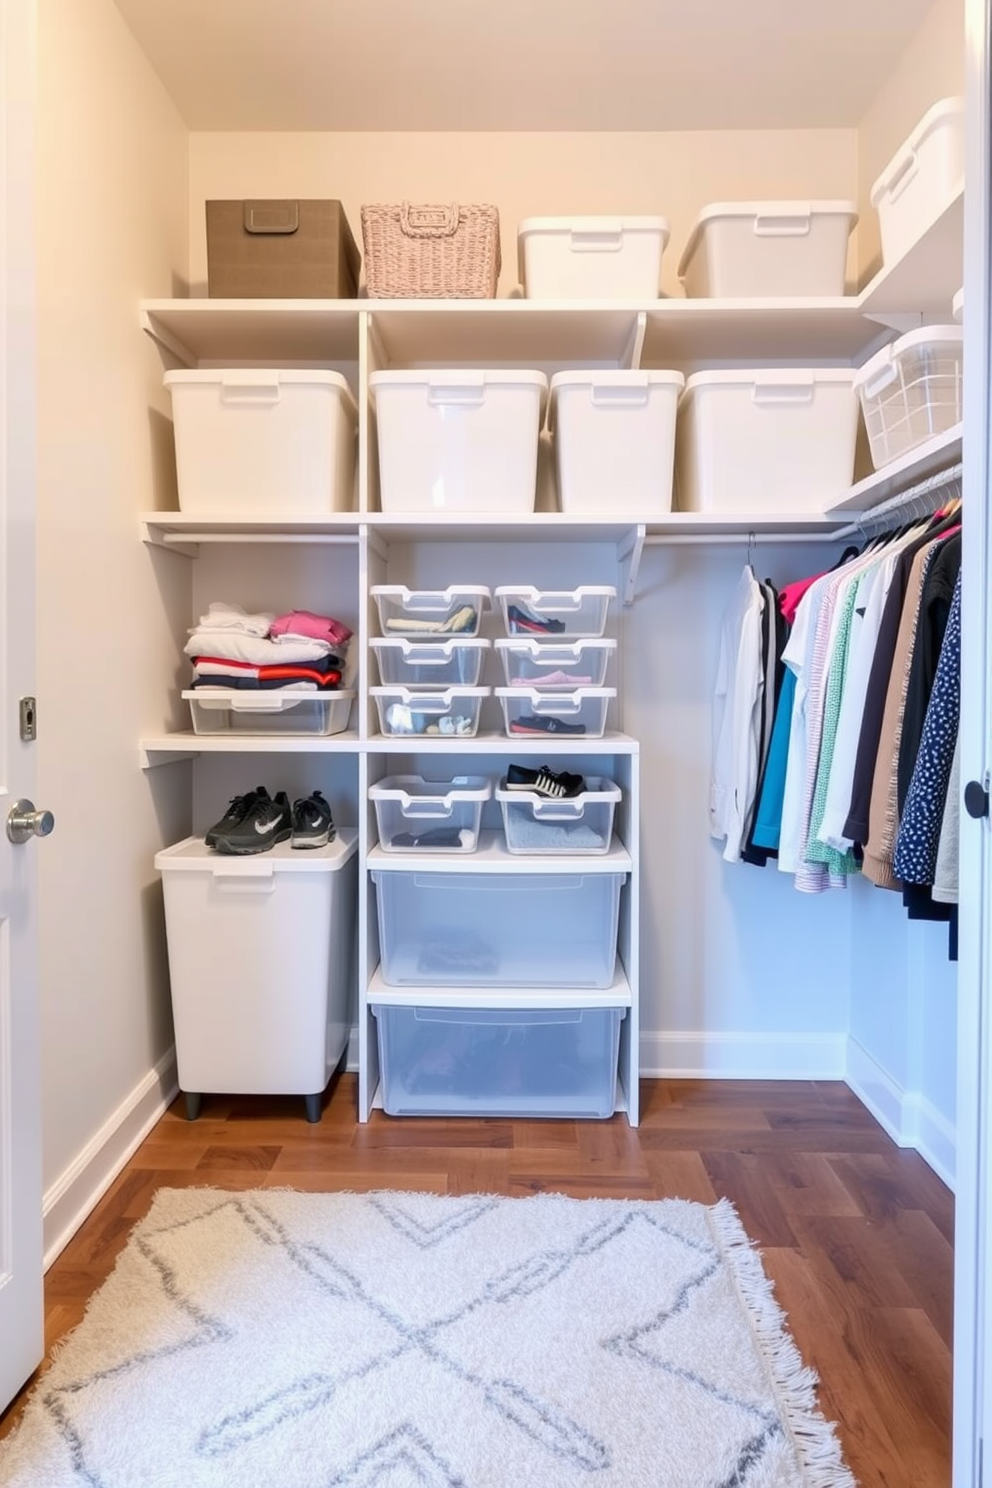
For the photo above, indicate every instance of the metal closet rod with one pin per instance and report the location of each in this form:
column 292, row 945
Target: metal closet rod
column 916, row 501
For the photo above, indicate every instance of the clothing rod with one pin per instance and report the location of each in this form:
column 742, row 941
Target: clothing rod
column 738, row 539
column 897, row 505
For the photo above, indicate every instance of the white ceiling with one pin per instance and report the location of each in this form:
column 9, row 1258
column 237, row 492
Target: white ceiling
column 522, row 64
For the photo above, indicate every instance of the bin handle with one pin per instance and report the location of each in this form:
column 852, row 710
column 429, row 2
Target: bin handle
column 558, row 810
column 557, row 707
column 419, row 809
column 250, row 387
column 266, row 217
column 903, row 171
column 774, row 394
column 605, row 237
column 782, row 224
column 265, row 703
column 429, row 221
column 629, row 395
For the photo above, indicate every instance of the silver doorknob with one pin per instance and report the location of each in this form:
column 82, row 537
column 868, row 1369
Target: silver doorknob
column 23, row 822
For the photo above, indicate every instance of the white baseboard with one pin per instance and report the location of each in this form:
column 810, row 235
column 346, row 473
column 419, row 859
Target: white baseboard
column 743, row 1056
column 77, row 1190
column 908, row 1117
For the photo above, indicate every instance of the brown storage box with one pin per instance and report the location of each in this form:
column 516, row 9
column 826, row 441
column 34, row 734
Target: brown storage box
column 280, row 250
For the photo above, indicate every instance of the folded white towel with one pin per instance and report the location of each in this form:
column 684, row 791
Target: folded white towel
column 234, row 646
column 223, row 616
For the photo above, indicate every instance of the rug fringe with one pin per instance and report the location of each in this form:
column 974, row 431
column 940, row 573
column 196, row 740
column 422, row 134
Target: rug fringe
column 794, row 1383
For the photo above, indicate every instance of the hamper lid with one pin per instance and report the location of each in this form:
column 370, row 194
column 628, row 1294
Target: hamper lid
column 613, row 388
column 880, row 369
column 593, row 226
column 261, row 381
column 769, row 380
column 770, row 218
column 192, row 855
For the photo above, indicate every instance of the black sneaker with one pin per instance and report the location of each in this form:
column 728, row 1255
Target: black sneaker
column 557, row 785
column 267, row 821
column 312, row 824
column 234, row 815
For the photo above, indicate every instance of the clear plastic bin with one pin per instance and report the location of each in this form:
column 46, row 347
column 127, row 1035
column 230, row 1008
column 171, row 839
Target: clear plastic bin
column 582, row 824
column 911, row 391
column 498, row 1061
column 560, row 715
column 226, row 710
column 417, row 815
column 565, row 614
column 451, row 711
column 497, row 929
column 419, row 613
column 451, row 663
column 572, row 664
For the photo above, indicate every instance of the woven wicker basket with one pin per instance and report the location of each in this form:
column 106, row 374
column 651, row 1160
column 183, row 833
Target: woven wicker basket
column 427, row 252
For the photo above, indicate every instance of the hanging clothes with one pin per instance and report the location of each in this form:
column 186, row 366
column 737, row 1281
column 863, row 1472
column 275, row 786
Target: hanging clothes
column 737, row 714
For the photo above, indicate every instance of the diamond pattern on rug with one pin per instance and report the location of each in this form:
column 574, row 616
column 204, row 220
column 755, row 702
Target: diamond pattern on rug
column 403, row 1340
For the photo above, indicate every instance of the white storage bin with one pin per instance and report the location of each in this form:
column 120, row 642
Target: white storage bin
column 418, row 613
column 458, row 441
column 581, row 824
column 417, row 815
column 560, row 715
column 452, row 711
column 498, row 929
column 489, row 1061
column 230, row 710
column 451, row 663
column 557, row 664
column 921, row 179
column 766, row 441
column 591, row 258
column 771, row 249
column 614, row 440
column 566, row 614
column 911, row 390
column 261, row 964
column 251, row 441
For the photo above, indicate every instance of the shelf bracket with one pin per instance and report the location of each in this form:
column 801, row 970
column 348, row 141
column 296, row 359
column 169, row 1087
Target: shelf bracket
column 153, row 538
column 167, row 341
column 376, row 541
column 895, row 320
column 629, row 551
column 151, row 759
column 634, row 349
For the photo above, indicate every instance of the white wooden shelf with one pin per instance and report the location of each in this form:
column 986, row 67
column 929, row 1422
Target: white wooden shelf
column 266, row 332
column 922, row 284
column 616, row 995
column 493, row 856
column 702, row 333
column 163, row 749
column 929, row 459
column 500, row 743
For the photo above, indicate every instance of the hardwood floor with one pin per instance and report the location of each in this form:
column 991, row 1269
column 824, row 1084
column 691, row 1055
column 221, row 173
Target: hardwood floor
column 856, row 1234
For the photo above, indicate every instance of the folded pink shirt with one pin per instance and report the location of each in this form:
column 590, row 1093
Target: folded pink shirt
column 306, row 625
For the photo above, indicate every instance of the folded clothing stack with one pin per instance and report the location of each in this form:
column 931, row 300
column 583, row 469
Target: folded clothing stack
column 300, row 650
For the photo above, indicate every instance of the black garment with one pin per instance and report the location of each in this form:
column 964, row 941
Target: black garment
column 856, row 826
column 774, row 636
column 935, row 606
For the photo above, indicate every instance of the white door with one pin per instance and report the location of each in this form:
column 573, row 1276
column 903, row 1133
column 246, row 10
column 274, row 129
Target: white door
column 21, row 1315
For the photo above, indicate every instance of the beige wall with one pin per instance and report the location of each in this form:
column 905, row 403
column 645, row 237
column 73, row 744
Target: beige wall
column 526, row 175
column 931, row 68
column 112, row 226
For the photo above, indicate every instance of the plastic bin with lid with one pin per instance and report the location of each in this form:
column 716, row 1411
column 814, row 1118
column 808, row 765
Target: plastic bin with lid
column 921, row 179
column 591, row 258
column 527, row 928
column 421, row 613
column 254, row 440
column 771, row 440
column 455, row 662
column 558, row 664
column 768, row 249
column 458, row 440
column 418, row 815
column 578, row 824
column 614, row 440
column 229, row 710
column 261, row 965
column 498, row 1061
column 911, row 390
column 560, row 715
column 451, row 711
column 568, row 614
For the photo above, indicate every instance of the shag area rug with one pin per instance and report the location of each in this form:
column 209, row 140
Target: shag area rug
column 274, row 1339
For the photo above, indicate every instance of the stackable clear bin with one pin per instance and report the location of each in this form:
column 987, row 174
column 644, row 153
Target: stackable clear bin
column 476, row 1061
column 451, row 711
column 228, row 710
column 560, row 715
column 445, row 663
column 417, row 815
column 912, row 390
column 581, row 824
column 579, row 613
column 420, row 613
column 519, row 929
column 529, row 663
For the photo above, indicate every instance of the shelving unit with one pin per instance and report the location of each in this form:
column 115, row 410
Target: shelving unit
column 361, row 336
